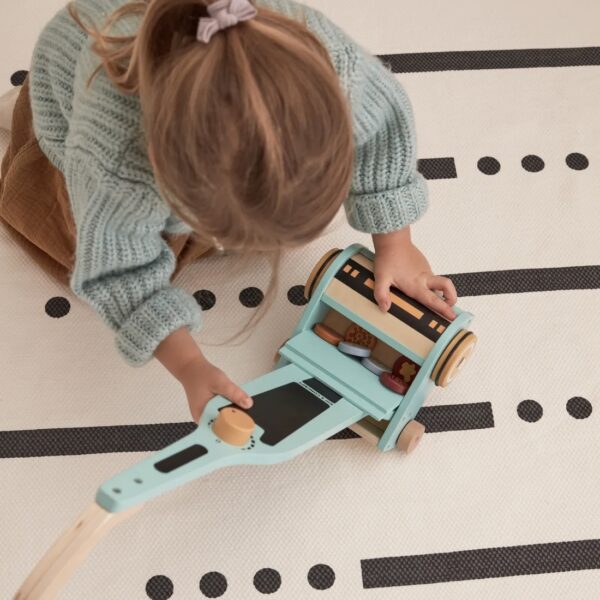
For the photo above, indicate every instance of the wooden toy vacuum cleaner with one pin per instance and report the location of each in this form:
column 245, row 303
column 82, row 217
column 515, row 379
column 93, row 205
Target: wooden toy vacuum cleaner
column 347, row 364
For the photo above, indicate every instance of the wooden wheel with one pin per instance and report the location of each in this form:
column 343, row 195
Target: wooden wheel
column 315, row 275
column 410, row 437
column 453, row 357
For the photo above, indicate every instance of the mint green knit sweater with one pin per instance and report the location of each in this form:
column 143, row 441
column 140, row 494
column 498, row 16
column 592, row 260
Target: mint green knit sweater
column 123, row 265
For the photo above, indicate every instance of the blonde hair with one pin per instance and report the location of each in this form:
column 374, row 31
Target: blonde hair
column 251, row 134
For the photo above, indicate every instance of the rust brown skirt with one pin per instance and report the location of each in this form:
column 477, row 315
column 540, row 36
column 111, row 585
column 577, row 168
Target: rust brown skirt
column 35, row 207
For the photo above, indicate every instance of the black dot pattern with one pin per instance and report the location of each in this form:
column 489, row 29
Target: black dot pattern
column 579, row 408
column 18, row 77
column 488, row 165
column 530, row 410
column 321, row 577
column 57, row 307
column 213, row 584
column 251, row 297
column 296, row 295
column 159, row 587
column 577, row 161
column 205, row 298
column 532, row 163
column 267, row 581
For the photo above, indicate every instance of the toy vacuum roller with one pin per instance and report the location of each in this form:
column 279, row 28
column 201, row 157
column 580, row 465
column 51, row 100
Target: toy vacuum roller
column 347, row 364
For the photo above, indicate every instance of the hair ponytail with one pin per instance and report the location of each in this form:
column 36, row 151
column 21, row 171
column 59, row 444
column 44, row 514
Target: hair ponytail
column 251, row 133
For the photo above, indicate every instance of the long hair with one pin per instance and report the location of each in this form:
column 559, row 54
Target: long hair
column 250, row 135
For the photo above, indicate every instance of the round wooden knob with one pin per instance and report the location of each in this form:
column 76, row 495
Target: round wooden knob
column 233, row 426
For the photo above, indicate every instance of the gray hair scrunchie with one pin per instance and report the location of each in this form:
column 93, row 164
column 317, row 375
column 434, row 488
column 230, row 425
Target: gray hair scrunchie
column 224, row 13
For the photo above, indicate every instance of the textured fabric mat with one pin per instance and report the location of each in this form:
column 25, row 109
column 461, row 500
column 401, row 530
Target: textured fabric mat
column 500, row 500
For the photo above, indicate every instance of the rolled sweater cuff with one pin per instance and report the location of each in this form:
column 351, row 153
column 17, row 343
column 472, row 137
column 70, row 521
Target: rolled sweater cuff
column 388, row 210
column 159, row 316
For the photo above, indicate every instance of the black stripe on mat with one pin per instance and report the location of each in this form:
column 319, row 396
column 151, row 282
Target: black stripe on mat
column 467, row 60
column 437, row 168
column 72, row 441
column 518, row 281
column 451, row 417
column 505, row 561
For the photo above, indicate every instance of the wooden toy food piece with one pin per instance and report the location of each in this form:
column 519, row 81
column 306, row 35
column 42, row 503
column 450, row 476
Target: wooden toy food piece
column 354, row 349
column 410, row 437
column 374, row 365
column 456, row 352
column 357, row 335
column 394, row 383
column 328, row 334
column 233, row 426
column 405, row 368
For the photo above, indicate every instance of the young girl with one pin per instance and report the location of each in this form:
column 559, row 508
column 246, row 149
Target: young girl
column 151, row 132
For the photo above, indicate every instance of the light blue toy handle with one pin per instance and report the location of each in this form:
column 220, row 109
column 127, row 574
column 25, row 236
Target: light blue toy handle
column 201, row 452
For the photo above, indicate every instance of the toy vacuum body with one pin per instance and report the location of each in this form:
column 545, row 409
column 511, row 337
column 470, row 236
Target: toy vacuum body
column 315, row 390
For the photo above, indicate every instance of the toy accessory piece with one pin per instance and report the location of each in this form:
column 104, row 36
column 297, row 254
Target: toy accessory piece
column 354, row 349
column 393, row 382
column 405, row 369
column 327, row 334
column 233, row 426
column 313, row 392
column 374, row 365
column 357, row 335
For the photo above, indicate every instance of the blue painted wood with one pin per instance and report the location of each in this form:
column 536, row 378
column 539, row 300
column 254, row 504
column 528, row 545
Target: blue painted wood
column 304, row 356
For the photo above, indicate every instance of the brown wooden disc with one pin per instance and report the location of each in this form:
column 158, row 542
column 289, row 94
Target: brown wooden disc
column 355, row 334
column 328, row 334
column 405, row 368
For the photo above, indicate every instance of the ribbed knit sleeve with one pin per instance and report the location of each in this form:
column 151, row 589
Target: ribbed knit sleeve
column 387, row 192
column 123, row 265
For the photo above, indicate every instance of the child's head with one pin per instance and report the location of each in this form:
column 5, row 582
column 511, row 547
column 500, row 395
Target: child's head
column 250, row 134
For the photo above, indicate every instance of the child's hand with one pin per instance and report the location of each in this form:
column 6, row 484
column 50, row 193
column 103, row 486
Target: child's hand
column 202, row 380
column 401, row 264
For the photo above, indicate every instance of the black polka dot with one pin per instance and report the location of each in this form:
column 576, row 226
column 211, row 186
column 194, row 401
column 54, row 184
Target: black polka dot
column 530, row 410
column 18, row 77
column 296, row 295
column 251, row 297
column 213, row 584
column 321, row 577
column 159, row 587
column 488, row 165
column 577, row 161
column 267, row 581
column 58, row 307
column 532, row 163
column 205, row 298
column 579, row 408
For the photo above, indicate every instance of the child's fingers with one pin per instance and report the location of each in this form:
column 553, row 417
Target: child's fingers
column 236, row 394
column 433, row 301
column 445, row 285
column 381, row 292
